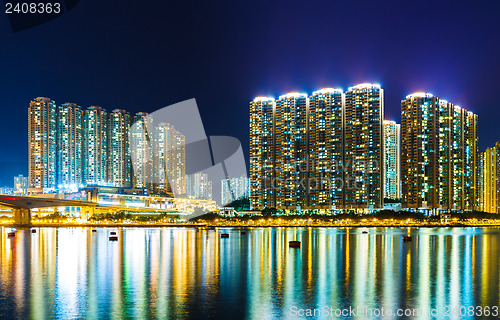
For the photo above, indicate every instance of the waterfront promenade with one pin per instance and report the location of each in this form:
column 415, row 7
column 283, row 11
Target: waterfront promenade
column 270, row 222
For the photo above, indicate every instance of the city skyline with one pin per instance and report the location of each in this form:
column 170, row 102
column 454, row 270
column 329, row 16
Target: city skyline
column 71, row 147
column 439, row 154
column 310, row 134
column 318, row 152
column 27, row 171
column 429, row 161
column 97, row 148
column 314, row 118
column 372, row 44
column 250, row 159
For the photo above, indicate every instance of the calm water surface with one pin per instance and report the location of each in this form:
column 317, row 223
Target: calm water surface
column 187, row 273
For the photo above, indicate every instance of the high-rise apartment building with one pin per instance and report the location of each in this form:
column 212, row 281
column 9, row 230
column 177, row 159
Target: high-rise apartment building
column 42, row 143
column 464, row 143
column 489, row 182
column 69, row 146
column 363, row 161
column 421, row 150
column 161, row 152
column 119, row 166
column 309, row 153
column 20, row 184
column 234, row 189
column 141, row 151
column 438, row 154
column 481, row 188
column 326, row 149
column 392, row 163
column 291, row 151
column 262, row 153
column 169, row 161
column 198, row 186
column 95, row 146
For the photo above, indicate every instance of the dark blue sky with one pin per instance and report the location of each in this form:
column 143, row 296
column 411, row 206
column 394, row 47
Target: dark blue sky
column 142, row 55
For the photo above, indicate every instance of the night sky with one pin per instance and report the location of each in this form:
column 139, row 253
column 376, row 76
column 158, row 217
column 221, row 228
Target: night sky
column 142, row 56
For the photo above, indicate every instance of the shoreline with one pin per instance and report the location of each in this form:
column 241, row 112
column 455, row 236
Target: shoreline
column 204, row 226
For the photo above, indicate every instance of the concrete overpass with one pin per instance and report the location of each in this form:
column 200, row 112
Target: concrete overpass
column 22, row 206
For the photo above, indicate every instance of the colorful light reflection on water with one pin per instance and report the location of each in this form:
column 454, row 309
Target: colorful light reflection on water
column 188, row 273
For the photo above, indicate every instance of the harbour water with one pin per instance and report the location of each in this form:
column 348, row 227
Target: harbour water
column 187, row 273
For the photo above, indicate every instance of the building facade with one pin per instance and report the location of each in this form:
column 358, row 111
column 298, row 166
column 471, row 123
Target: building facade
column 326, row 149
column 69, row 146
column 199, row 186
column 303, row 149
column 392, row 162
column 21, row 184
column 438, row 154
column 262, row 153
column 119, row 165
column 95, row 146
column 489, row 183
column 364, row 158
column 141, row 151
column 234, row 189
column 291, row 151
column 420, row 150
column 42, row 143
column 169, row 161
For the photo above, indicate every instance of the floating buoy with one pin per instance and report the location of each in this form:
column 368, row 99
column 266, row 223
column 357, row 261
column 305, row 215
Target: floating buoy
column 365, row 231
column 94, row 230
column 11, row 234
column 113, row 238
column 224, row 235
column 406, row 238
column 294, row 244
column 112, row 233
column 33, row 230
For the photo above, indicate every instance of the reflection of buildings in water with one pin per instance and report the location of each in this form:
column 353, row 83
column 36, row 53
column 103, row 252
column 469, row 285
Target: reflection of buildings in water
column 71, row 264
column 155, row 272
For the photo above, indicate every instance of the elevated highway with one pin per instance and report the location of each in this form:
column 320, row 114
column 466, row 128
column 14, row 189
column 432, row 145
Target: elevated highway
column 22, row 206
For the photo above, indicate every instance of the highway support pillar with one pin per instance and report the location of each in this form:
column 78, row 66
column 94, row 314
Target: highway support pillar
column 22, row 216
